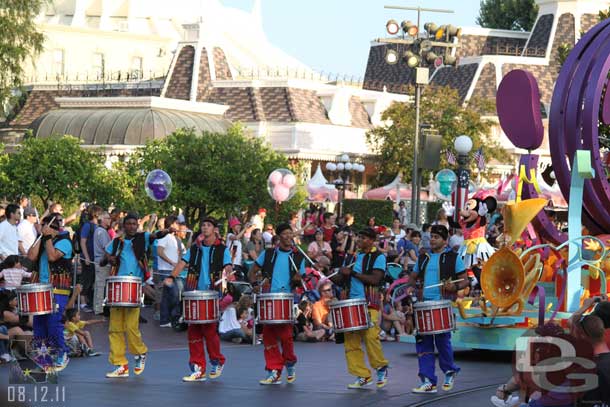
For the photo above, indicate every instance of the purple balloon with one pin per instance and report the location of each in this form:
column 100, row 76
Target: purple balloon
column 158, row 185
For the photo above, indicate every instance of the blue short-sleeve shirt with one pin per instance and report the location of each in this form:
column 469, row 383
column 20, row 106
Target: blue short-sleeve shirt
column 280, row 279
column 205, row 282
column 64, row 246
column 432, row 275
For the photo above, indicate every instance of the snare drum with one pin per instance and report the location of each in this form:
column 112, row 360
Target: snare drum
column 433, row 317
column 200, row 307
column 124, row 291
column 35, row 299
column 350, row 315
column 275, row 308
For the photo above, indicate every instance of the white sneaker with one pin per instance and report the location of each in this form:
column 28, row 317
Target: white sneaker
column 511, row 401
column 6, row 357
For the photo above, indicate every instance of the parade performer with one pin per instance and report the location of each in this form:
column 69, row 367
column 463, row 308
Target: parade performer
column 208, row 261
column 283, row 267
column 475, row 250
column 442, row 265
column 53, row 253
column 363, row 281
column 127, row 255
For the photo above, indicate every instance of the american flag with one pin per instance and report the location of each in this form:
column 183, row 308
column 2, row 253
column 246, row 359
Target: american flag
column 451, row 158
column 479, row 159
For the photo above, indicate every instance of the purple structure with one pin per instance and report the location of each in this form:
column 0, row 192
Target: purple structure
column 518, row 106
column 579, row 103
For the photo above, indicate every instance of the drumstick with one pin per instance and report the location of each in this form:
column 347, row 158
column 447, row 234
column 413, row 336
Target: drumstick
column 303, row 253
column 441, row 284
column 88, row 261
column 224, row 278
column 297, row 270
column 40, row 236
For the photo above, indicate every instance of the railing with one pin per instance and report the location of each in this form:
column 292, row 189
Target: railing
column 284, row 73
column 512, row 49
column 119, row 76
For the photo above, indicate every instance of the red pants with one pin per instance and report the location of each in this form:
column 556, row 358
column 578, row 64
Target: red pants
column 196, row 335
column 274, row 360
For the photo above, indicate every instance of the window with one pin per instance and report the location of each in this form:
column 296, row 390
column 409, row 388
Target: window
column 58, row 62
column 98, row 65
column 135, row 72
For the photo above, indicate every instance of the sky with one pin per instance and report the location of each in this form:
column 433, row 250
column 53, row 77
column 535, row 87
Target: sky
column 334, row 35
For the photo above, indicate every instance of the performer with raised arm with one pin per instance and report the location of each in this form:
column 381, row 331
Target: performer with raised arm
column 53, row 253
column 283, row 267
column 208, row 261
column 127, row 255
column 444, row 266
column 363, row 281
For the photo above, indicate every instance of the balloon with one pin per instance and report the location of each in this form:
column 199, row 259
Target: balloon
column 445, row 183
column 158, row 185
column 289, row 180
column 281, row 193
column 275, row 177
column 281, row 185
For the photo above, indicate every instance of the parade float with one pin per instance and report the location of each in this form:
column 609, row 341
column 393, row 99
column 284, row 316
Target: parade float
column 540, row 274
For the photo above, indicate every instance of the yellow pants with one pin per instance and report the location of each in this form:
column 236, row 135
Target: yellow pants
column 354, row 353
column 124, row 321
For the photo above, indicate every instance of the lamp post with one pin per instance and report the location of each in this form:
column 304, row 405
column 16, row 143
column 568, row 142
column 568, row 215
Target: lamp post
column 462, row 145
column 344, row 170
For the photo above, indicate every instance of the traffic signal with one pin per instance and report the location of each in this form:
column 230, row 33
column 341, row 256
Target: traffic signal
column 409, row 28
column 392, row 27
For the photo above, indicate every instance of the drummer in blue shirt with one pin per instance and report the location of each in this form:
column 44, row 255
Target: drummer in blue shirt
column 441, row 265
column 283, row 266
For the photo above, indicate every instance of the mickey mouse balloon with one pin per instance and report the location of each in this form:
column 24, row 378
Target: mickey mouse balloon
column 281, row 185
column 158, row 185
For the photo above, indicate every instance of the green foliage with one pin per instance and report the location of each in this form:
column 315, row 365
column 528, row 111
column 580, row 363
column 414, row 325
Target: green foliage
column 442, row 108
column 20, row 39
column 54, row 168
column 508, row 14
column 562, row 53
column 212, row 174
column 277, row 213
column 364, row 209
column 431, row 210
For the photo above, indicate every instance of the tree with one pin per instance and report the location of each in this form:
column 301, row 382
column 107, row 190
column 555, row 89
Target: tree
column 20, row 39
column 212, row 174
column 442, row 108
column 54, row 168
column 508, row 14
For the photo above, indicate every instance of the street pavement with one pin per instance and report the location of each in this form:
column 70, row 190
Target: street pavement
column 321, row 377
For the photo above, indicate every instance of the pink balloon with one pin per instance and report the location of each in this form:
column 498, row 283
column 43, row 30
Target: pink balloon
column 275, row 177
column 281, row 193
column 289, row 180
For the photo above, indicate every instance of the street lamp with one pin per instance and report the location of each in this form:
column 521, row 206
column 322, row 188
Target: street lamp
column 344, row 170
column 462, row 145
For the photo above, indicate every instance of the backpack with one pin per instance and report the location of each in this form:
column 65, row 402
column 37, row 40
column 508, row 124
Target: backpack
column 76, row 247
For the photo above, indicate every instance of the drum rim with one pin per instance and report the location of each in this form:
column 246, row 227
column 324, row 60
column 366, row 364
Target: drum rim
column 352, row 301
column 358, row 328
column 275, row 296
column 207, row 321
column 200, row 294
column 124, row 304
column 124, row 279
column 274, row 321
column 34, row 287
column 434, row 304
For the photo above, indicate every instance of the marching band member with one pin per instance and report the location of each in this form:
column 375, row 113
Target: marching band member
column 205, row 258
column 441, row 265
column 363, row 282
column 53, row 252
column 127, row 254
column 283, row 266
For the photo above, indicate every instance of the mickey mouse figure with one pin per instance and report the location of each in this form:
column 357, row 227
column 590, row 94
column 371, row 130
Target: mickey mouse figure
column 476, row 250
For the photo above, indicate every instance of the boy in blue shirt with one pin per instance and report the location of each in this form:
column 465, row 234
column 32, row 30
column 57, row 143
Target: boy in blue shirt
column 207, row 259
column 441, row 265
column 283, row 266
column 53, row 252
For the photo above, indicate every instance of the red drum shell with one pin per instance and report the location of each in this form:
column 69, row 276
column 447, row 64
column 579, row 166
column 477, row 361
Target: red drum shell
column 275, row 308
column 35, row 299
column 200, row 307
column 124, row 291
column 350, row 315
column 433, row 317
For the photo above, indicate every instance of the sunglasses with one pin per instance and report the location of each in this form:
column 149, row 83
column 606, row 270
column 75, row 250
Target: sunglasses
column 326, row 291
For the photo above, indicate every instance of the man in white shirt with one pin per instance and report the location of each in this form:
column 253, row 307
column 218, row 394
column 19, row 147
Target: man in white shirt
column 9, row 239
column 169, row 251
column 27, row 231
